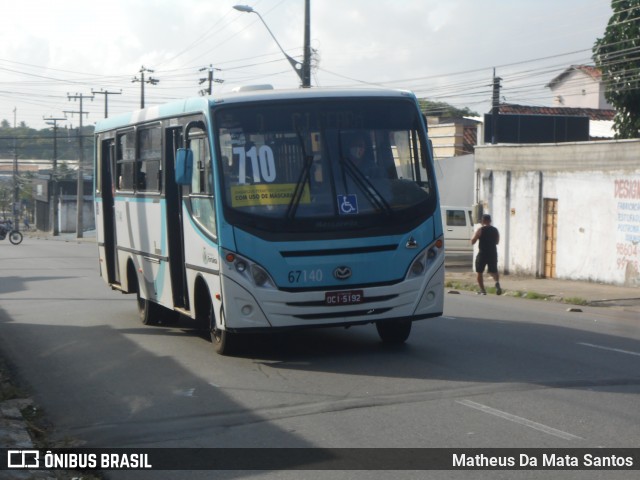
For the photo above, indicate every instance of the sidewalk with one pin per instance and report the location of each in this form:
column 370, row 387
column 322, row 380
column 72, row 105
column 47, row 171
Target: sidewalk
column 568, row 291
column 88, row 236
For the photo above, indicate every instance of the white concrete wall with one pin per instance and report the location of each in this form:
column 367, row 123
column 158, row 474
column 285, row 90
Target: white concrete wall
column 68, row 208
column 597, row 185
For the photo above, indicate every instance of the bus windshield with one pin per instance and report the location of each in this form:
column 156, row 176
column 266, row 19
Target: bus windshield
column 324, row 165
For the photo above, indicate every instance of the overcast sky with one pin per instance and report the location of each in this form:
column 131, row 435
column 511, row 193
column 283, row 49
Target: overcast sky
column 444, row 50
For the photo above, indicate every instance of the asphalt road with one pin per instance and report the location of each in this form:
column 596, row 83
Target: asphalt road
column 492, row 372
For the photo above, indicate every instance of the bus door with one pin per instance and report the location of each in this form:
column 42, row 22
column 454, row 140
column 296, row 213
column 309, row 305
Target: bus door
column 108, row 210
column 175, row 230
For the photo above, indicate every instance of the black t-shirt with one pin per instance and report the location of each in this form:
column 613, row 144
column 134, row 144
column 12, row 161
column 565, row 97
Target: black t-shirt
column 488, row 241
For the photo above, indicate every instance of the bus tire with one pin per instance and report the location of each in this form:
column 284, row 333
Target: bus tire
column 223, row 341
column 147, row 310
column 394, row 332
column 168, row 316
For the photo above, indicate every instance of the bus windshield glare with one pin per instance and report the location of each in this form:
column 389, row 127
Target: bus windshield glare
column 324, row 165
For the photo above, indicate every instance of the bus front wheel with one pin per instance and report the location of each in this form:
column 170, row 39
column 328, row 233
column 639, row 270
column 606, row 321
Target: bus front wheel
column 223, row 341
column 394, row 332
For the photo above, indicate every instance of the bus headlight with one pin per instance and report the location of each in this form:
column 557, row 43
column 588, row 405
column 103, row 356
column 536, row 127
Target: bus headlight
column 418, row 266
column 425, row 258
column 249, row 270
column 261, row 277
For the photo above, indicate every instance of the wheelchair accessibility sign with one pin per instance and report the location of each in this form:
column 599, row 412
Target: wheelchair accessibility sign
column 348, row 204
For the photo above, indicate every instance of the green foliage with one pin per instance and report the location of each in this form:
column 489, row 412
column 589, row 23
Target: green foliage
column 6, row 199
column 616, row 54
column 575, row 301
column 38, row 144
column 442, row 109
column 64, row 172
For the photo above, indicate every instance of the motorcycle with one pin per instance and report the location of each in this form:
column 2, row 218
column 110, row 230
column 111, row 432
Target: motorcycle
column 15, row 236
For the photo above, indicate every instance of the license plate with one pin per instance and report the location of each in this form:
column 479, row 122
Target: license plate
column 349, row 297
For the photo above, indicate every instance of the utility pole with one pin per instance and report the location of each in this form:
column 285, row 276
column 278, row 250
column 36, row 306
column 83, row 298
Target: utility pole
column 495, row 110
column 150, row 80
column 306, row 62
column 16, row 187
column 106, row 94
column 54, row 176
column 210, row 79
column 80, row 187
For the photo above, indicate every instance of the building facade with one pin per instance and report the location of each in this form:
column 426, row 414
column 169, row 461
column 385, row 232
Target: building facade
column 569, row 211
column 579, row 86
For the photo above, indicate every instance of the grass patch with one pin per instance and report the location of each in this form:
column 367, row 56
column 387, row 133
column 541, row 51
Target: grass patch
column 575, row 301
column 460, row 285
column 536, row 296
column 8, row 389
column 473, row 287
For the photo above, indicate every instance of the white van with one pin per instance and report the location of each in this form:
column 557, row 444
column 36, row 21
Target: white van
column 457, row 224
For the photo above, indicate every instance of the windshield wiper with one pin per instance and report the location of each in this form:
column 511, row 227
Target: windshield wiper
column 365, row 185
column 303, row 179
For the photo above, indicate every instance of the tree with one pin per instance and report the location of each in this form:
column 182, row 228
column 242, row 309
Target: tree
column 38, row 144
column 6, row 198
column 442, row 109
column 617, row 55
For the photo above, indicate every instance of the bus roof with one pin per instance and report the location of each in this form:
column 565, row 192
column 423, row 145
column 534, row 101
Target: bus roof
column 198, row 104
column 291, row 94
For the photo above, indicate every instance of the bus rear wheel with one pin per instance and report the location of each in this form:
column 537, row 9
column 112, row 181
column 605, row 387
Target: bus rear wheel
column 147, row 310
column 394, row 332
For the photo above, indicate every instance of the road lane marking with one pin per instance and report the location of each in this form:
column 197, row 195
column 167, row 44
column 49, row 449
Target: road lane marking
column 637, row 354
column 520, row 420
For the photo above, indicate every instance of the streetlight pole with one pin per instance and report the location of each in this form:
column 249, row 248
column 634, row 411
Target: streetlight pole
column 303, row 70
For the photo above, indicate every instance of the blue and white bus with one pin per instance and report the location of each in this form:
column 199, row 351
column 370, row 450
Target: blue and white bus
column 264, row 210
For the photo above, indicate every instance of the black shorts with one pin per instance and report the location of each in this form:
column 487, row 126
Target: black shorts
column 482, row 262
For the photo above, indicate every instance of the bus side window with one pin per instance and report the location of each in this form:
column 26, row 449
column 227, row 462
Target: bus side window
column 125, row 161
column 201, row 196
column 148, row 170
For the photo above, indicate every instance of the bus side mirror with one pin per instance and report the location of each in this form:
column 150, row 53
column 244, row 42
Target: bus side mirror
column 184, row 166
column 430, row 149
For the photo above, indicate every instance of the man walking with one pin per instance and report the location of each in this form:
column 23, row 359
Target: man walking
column 488, row 238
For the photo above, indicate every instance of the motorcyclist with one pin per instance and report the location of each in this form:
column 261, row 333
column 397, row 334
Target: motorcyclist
column 5, row 227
